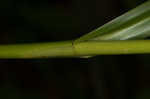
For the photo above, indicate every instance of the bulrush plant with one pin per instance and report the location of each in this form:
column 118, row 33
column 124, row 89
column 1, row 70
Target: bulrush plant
column 123, row 35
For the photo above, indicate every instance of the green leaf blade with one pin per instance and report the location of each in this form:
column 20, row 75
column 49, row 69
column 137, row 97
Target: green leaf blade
column 131, row 25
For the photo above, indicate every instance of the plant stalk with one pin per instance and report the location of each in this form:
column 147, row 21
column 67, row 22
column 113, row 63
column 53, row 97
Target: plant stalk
column 69, row 49
column 37, row 50
column 92, row 48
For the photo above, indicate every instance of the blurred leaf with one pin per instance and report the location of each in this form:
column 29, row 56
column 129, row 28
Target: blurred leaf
column 131, row 25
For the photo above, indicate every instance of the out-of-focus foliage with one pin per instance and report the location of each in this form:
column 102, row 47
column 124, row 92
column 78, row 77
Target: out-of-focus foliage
column 131, row 25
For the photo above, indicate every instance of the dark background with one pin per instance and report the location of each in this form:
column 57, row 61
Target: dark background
column 101, row 77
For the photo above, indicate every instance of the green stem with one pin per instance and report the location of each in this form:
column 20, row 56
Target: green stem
column 91, row 48
column 37, row 50
column 67, row 49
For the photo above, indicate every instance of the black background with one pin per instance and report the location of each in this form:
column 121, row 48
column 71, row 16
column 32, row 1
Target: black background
column 100, row 77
